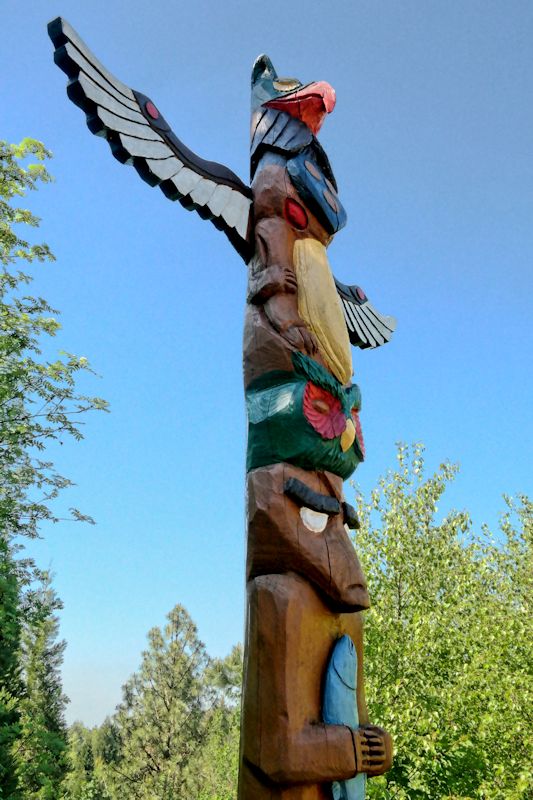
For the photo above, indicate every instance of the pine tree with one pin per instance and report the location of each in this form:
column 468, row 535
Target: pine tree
column 89, row 751
column 217, row 764
column 10, row 681
column 161, row 719
column 80, row 761
column 42, row 746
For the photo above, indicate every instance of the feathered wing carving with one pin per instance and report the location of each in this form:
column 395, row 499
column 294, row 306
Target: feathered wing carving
column 366, row 326
column 139, row 135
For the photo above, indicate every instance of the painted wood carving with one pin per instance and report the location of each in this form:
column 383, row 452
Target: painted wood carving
column 305, row 730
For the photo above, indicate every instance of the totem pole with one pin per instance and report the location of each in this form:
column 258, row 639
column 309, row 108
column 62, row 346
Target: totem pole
column 305, row 732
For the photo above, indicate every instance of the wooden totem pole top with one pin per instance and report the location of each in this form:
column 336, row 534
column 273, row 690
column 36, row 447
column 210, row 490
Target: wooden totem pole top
column 286, row 116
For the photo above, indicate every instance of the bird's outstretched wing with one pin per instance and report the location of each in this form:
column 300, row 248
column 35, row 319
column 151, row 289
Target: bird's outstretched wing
column 366, row 326
column 139, row 135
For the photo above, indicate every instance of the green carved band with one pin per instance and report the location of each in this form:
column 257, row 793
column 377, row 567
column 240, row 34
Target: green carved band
column 278, row 430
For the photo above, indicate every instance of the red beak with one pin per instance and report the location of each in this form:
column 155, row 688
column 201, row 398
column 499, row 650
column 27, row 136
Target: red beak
column 309, row 104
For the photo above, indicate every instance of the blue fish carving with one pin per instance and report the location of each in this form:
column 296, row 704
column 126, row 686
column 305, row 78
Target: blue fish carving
column 340, row 708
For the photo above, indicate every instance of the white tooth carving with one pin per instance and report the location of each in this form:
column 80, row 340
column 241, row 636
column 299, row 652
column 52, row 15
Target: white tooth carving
column 313, row 520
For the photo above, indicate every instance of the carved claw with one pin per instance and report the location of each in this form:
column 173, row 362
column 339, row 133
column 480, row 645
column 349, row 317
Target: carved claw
column 290, row 284
column 301, row 338
column 373, row 750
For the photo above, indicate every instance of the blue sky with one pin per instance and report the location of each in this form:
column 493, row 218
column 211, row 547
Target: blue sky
column 431, row 143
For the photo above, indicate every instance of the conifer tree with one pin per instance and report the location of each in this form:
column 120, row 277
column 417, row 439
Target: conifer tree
column 217, row 765
column 10, row 681
column 161, row 718
column 90, row 751
column 41, row 749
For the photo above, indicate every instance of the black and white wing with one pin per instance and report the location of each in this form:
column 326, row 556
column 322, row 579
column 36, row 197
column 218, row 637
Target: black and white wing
column 366, row 326
column 139, row 135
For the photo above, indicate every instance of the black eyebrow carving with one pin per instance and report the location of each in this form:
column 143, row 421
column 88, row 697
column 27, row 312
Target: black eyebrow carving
column 304, row 496
column 350, row 516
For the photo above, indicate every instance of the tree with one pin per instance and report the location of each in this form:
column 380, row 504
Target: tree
column 449, row 644
column 38, row 400
column 161, row 719
column 10, row 680
column 217, row 765
column 38, row 405
column 41, row 748
column 176, row 733
column 106, row 746
column 88, row 754
column 81, row 761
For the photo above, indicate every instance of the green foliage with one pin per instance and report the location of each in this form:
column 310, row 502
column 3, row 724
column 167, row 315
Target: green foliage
column 10, row 681
column 41, row 748
column 216, row 768
column 449, row 644
column 81, row 761
column 176, row 733
column 88, row 757
column 161, row 721
column 38, row 401
column 38, row 405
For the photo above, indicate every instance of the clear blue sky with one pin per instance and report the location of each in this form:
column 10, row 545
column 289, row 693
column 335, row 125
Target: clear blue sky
column 432, row 145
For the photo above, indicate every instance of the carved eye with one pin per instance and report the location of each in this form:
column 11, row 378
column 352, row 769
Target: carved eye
column 323, row 411
column 321, row 406
column 295, row 214
column 285, row 84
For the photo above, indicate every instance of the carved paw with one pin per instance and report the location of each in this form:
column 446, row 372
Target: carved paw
column 290, row 284
column 302, row 339
column 373, row 750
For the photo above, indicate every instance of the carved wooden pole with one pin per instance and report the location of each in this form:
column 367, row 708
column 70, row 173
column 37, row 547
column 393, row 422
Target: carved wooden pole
column 305, row 731
column 305, row 723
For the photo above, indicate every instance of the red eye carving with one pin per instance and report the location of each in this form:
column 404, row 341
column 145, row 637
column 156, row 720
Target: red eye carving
column 321, row 406
column 295, row 214
column 323, row 411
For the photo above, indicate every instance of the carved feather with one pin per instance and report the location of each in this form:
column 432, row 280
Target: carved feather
column 366, row 326
column 139, row 135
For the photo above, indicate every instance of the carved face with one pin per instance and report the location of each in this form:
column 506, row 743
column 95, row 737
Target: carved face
column 291, row 529
column 325, row 413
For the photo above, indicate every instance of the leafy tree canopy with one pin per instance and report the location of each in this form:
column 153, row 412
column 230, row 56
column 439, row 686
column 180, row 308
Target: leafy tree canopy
column 38, row 400
column 449, row 639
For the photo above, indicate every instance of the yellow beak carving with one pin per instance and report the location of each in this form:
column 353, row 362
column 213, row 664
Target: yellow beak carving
column 320, row 308
column 348, row 436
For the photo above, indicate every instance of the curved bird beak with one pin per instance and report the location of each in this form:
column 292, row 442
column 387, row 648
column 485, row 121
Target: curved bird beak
column 309, row 104
column 348, row 436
